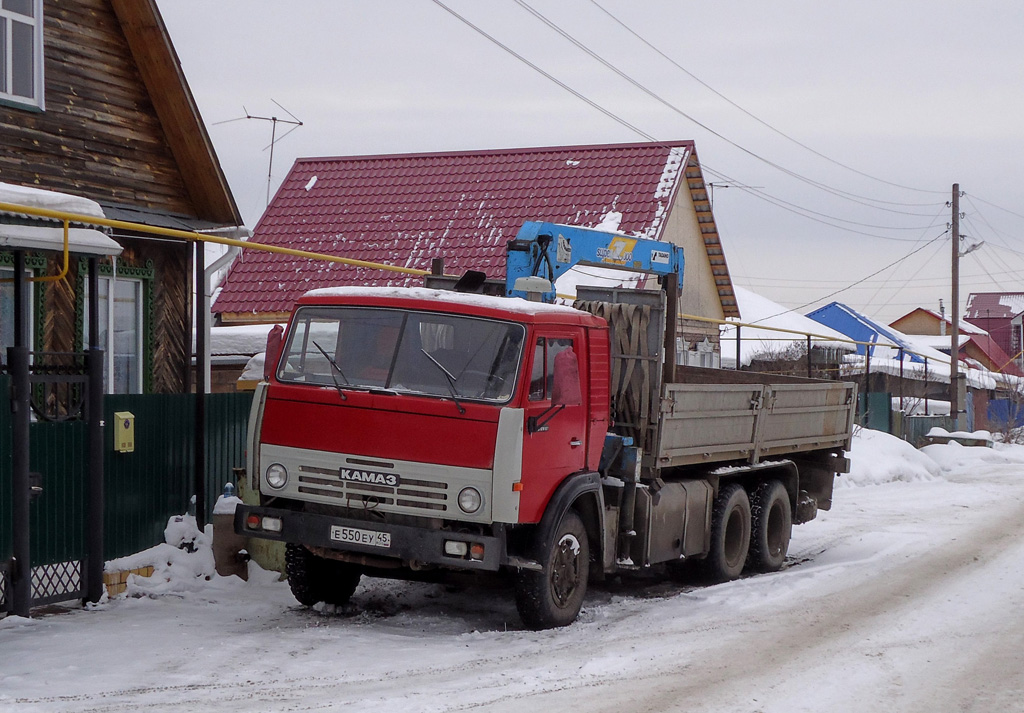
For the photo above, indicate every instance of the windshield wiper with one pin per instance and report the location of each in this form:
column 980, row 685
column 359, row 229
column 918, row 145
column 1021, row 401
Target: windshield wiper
column 450, row 379
column 334, row 368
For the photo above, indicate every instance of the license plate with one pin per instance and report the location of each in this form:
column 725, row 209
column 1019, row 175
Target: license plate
column 357, row 536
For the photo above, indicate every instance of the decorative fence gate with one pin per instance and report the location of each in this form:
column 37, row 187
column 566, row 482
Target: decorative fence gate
column 141, row 489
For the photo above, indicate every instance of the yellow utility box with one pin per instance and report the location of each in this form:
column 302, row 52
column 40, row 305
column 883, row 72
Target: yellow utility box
column 124, row 431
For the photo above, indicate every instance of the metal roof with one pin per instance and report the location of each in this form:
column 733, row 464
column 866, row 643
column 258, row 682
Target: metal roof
column 994, row 305
column 406, row 209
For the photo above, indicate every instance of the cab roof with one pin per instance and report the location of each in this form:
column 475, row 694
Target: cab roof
column 421, row 298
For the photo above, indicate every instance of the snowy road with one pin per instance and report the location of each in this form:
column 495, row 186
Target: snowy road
column 907, row 596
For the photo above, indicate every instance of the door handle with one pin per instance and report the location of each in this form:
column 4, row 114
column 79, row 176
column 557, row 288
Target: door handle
column 575, row 442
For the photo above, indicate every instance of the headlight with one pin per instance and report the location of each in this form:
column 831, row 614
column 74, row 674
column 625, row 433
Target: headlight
column 277, row 476
column 470, row 500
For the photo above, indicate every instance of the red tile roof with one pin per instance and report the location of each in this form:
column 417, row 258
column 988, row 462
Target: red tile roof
column 462, row 207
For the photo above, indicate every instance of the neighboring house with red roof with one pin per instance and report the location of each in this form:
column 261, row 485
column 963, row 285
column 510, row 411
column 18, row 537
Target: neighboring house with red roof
column 464, row 207
column 976, row 344
column 999, row 314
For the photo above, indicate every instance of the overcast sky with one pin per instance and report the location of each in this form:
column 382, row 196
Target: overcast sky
column 839, row 127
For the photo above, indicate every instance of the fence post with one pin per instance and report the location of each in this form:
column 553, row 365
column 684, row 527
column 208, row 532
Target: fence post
column 94, row 413
column 199, row 484
column 21, row 574
column 809, row 374
column 926, row 386
column 18, row 359
column 901, row 378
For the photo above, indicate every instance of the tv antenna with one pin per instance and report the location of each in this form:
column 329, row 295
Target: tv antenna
column 274, row 121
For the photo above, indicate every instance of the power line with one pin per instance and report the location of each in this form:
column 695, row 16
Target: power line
column 545, row 74
column 889, row 279
column 846, row 195
column 638, row 131
column 854, row 284
column 1005, row 210
column 764, row 123
column 793, row 208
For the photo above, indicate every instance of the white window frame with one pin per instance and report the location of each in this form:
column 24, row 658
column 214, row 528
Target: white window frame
column 7, row 18
column 109, row 351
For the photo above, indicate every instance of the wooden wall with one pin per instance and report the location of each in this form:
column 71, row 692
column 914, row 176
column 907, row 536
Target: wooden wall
column 99, row 136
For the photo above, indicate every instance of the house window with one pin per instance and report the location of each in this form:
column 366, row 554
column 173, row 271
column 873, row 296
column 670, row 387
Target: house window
column 21, row 52
column 123, row 346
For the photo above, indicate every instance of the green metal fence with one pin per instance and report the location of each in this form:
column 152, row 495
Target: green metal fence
column 142, row 488
column 874, row 410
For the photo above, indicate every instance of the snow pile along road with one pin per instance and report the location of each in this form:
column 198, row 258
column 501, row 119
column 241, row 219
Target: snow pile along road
column 899, row 598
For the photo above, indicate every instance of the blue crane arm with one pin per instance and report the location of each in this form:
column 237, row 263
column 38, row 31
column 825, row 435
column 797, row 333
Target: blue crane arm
column 548, row 250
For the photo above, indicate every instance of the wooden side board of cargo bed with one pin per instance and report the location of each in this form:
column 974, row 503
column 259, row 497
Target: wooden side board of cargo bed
column 713, row 415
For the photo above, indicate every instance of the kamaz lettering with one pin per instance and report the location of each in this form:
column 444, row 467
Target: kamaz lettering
column 366, row 476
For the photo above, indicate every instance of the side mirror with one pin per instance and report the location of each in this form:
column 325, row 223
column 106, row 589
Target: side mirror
column 275, row 341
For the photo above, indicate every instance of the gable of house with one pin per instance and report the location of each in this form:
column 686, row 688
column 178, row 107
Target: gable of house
column 464, row 207
column 926, row 322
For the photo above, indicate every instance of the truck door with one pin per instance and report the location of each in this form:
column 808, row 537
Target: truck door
column 555, row 433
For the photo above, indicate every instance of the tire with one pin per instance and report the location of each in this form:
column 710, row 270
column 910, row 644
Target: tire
column 771, row 527
column 553, row 597
column 730, row 534
column 314, row 579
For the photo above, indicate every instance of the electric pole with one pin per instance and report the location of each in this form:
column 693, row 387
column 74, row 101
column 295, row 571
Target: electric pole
column 954, row 345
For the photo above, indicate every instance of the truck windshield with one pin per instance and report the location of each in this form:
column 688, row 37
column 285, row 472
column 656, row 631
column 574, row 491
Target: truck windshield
column 423, row 353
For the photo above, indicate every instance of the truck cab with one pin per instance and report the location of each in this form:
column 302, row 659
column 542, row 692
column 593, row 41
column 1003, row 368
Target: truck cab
column 407, row 430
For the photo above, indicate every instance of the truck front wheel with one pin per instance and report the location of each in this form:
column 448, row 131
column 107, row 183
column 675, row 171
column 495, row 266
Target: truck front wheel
column 772, row 526
column 730, row 534
column 553, row 597
column 314, row 579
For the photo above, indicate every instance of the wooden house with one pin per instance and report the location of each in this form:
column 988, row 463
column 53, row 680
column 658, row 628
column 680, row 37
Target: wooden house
column 94, row 103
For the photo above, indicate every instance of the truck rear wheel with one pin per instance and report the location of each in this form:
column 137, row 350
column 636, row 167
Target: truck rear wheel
column 314, row 579
column 553, row 597
column 730, row 534
column 771, row 527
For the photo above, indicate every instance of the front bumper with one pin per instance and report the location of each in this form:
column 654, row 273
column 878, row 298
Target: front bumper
column 407, row 544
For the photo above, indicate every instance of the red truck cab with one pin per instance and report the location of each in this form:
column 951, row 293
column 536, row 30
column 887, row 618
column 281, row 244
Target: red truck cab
column 417, row 428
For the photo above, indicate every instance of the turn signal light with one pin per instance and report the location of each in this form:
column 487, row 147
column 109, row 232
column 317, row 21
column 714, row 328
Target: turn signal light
column 476, row 551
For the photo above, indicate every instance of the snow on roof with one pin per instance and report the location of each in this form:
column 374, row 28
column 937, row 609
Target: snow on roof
column 462, row 206
column 753, row 341
column 81, row 241
column 507, row 304
column 49, row 200
column 243, row 340
column 886, row 342
column 994, row 305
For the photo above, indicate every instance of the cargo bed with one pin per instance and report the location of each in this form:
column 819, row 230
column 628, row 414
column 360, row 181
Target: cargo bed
column 684, row 415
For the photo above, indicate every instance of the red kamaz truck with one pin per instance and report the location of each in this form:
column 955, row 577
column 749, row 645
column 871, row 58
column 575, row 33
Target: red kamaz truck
column 407, row 432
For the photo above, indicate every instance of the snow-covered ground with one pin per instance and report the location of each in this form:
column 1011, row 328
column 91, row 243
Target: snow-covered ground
column 906, row 596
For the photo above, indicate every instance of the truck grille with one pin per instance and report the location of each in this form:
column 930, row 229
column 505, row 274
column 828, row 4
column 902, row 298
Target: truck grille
column 423, row 495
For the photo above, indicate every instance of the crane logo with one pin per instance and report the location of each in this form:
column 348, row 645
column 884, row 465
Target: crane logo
column 618, row 252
